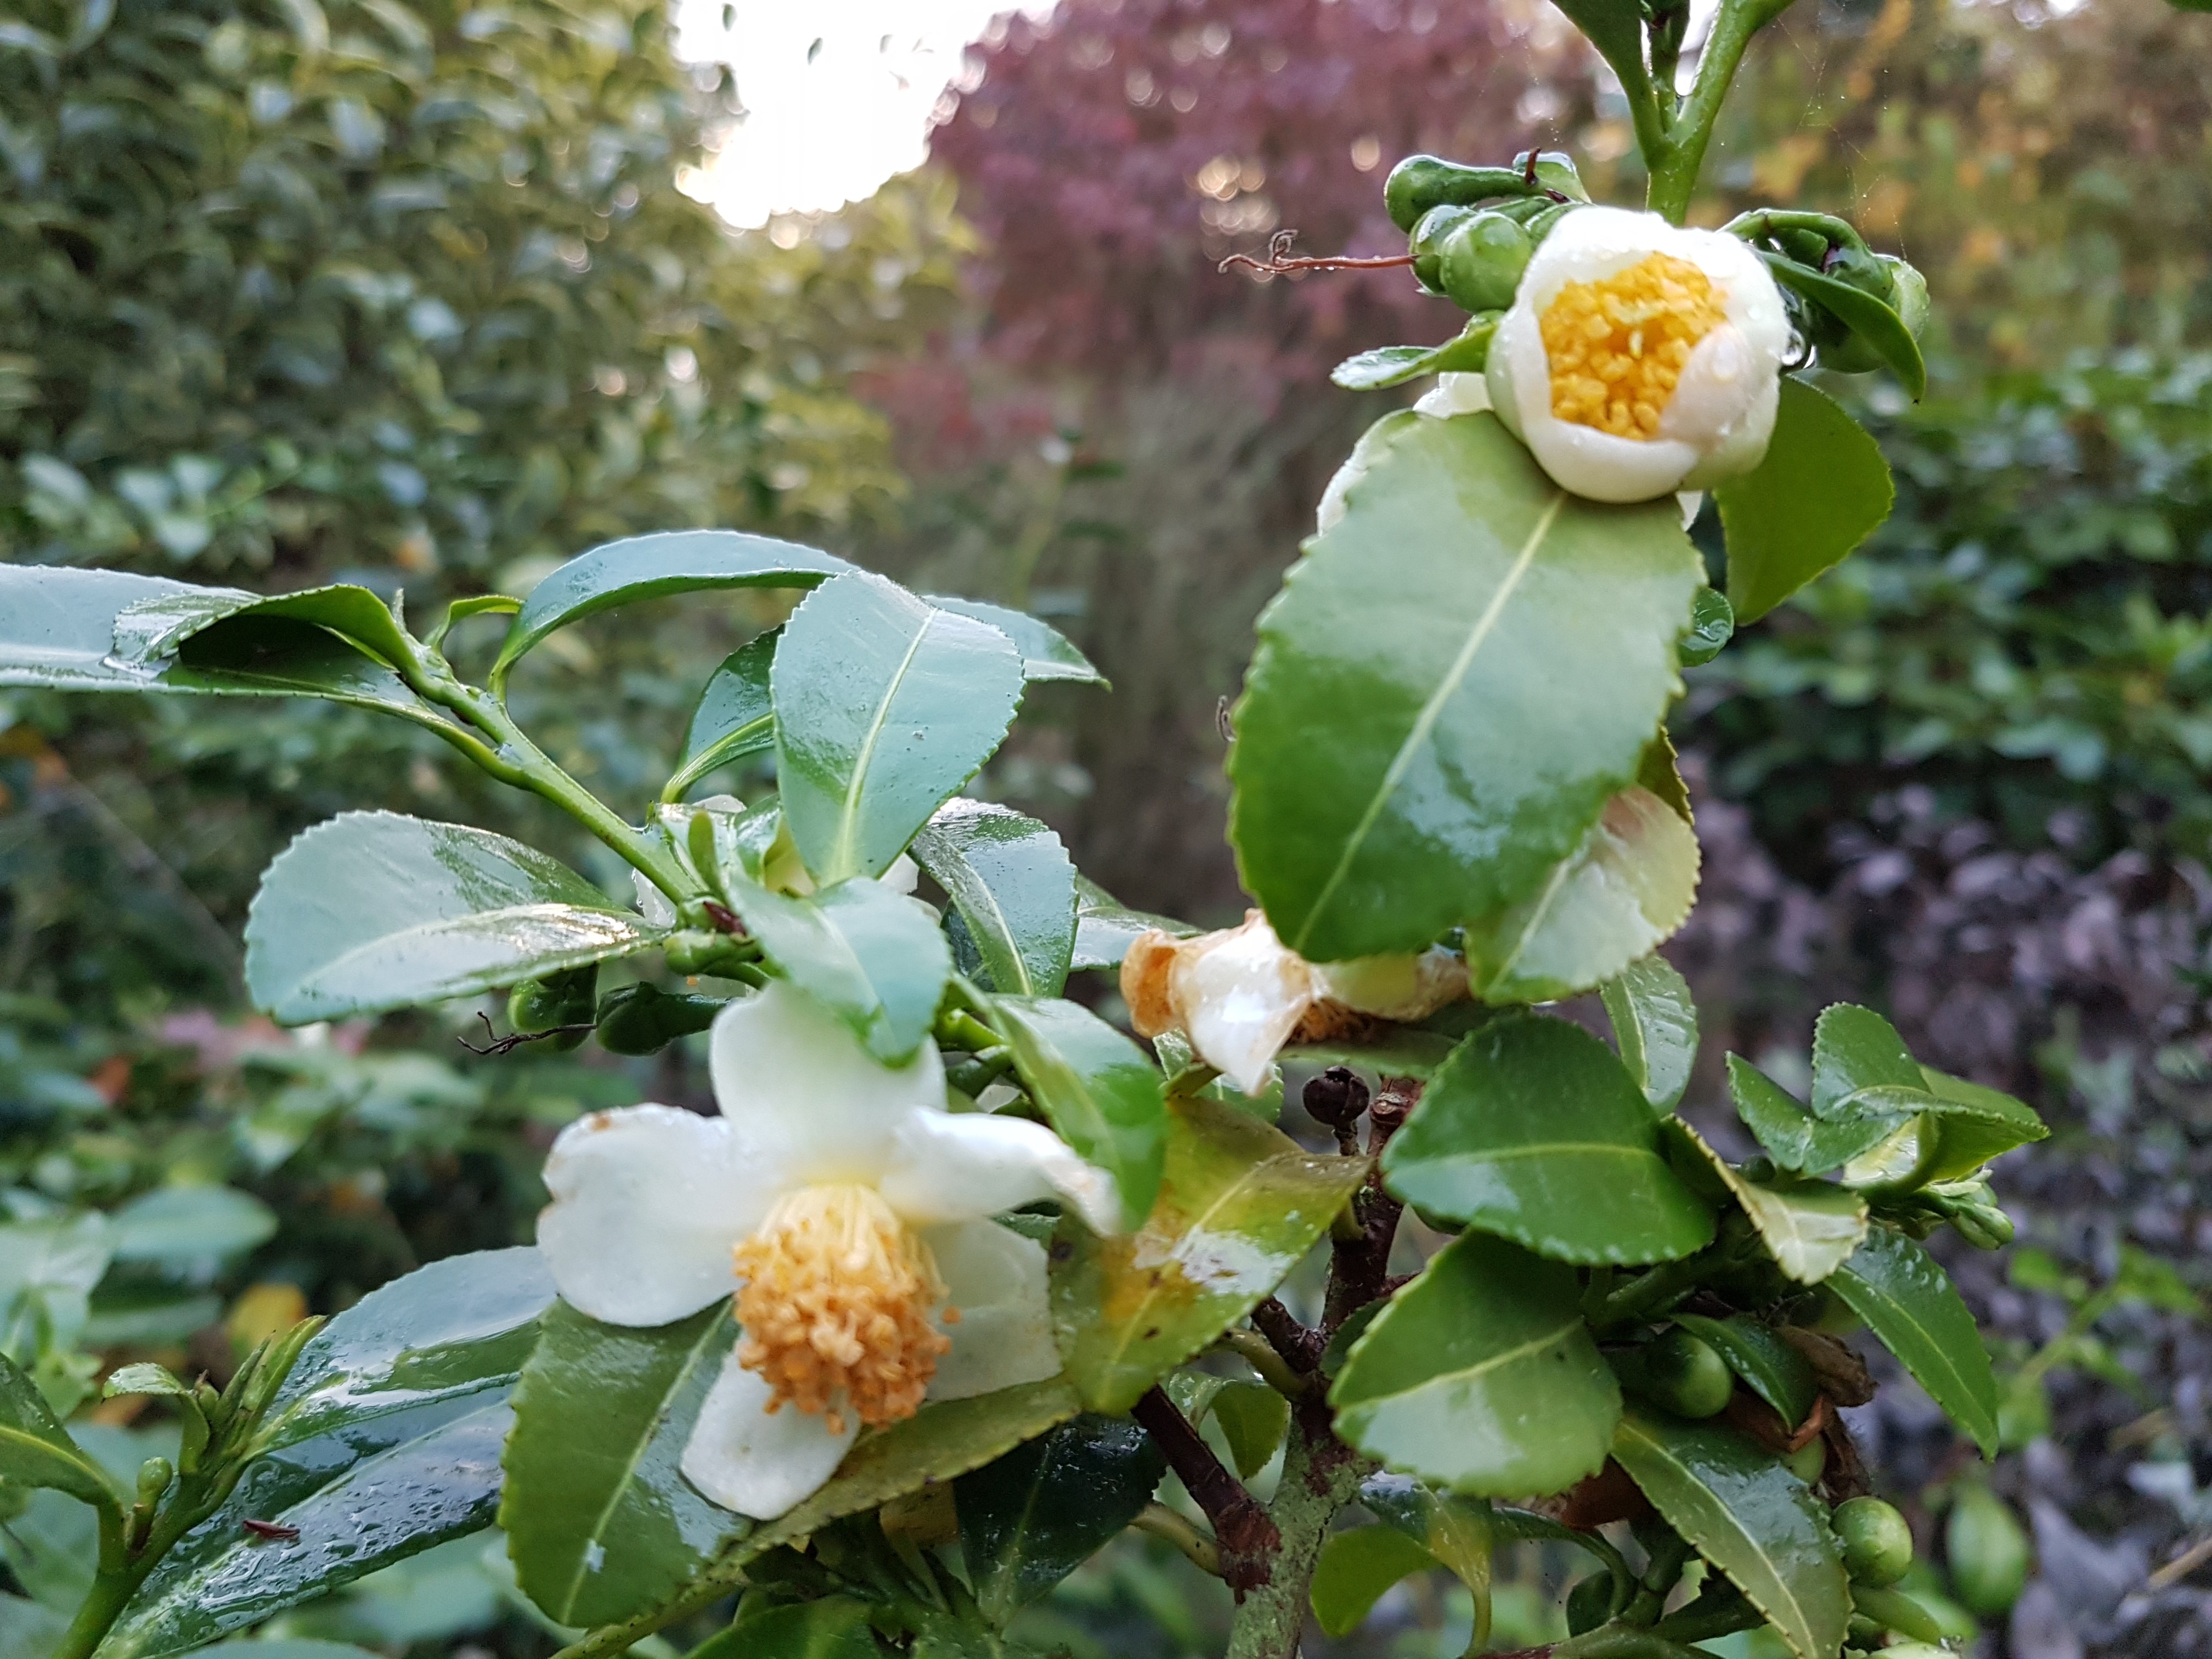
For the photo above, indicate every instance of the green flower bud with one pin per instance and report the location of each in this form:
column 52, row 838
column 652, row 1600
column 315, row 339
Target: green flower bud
column 1877, row 1544
column 1421, row 182
column 1903, row 288
column 1809, row 1461
column 1589, row 1603
column 1686, row 1375
column 641, row 1020
column 1985, row 1226
column 563, row 999
column 1481, row 261
column 1426, row 243
column 154, row 1477
column 1988, row 1552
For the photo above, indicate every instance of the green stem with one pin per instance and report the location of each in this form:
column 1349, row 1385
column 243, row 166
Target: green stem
column 1675, row 161
column 1255, row 1351
column 1767, row 221
column 1195, row 1546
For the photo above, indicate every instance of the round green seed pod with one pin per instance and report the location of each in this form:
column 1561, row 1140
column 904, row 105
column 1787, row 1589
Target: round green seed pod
column 1686, row 1375
column 1988, row 1553
column 641, row 1020
column 558, row 1000
column 1481, row 261
column 1589, row 1603
column 1809, row 1461
column 1426, row 243
column 1905, row 290
column 1877, row 1543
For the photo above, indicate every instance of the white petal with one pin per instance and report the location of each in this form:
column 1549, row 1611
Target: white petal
column 903, row 877
column 647, row 1202
column 806, row 1092
column 652, row 904
column 1241, row 999
column 1744, row 446
column 1455, row 393
column 943, row 1166
column 759, row 1464
column 1691, row 502
column 996, row 1279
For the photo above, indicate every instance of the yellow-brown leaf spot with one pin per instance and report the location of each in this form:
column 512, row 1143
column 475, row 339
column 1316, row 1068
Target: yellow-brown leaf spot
column 1617, row 345
column 835, row 1307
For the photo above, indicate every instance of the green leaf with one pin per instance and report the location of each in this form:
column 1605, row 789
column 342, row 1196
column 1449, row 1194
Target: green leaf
column 284, row 1646
column 36, row 1451
column 1972, row 1125
column 1750, row 1517
column 1254, row 1418
column 1240, row 1202
column 734, row 718
column 1809, row 1227
column 828, row 1627
column 1465, row 353
column 1010, row 879
column 1037, row 1514
column 1397, row 1051
column 1908, row 1302
column 1460, row 1533
column 1792, row 1136
column 58, row 628
column 1861, row 1065
column 1655, row 1023
column 1480, row 1375
column 1533, row 1130
column 1777, row 1372
column 1046, row 653
column 1882, row 329
column 600, row 1523
column 1713, row 625
column 384, row 1441
column 1105, row 927
column 1462, row 670
column 1621, row 894
column 653, row 567
column 1821, row 491
column 1357, row 1566
column 188, row 1225
column 877, row 958
column 884, row 706
column 370, row 911
column 160, row 625
column 1097, row 1089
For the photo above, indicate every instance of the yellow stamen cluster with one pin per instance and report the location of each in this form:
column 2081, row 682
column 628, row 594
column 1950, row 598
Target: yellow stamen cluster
column 835, row 1307
column 1617, row 345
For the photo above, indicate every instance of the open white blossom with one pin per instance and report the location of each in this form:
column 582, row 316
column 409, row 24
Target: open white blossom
column 1240, row 995
column 847, row 1212
column 1639, row 358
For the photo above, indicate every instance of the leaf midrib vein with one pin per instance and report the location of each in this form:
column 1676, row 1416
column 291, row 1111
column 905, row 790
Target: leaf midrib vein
column 849, row 814
column 1425, row 721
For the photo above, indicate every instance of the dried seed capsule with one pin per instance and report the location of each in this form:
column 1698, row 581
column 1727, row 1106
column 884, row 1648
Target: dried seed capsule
column 1337, row 1098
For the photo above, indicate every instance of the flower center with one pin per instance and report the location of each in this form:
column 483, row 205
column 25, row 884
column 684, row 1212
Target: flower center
column 1617, row 345
column 835, row 1307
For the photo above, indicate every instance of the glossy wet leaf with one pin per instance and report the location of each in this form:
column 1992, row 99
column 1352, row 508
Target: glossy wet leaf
column 1239, row 1204
column 1908, row 1302
column 1861, row 1066
column 1383, row 796
column 1713, row 625
column 160, row 625
column 58, row 628
column 1046, row 653
column 1809, row 1227
column 1098, row 1090
column 1481, row 1378
column 1033, row 1515
column 369, row 911
column 1750, row 1517
column 1775, row 1372
column 1105, row 927
column 1792, row 1136
column 1357, row 1567
column 1459, row 1532
column 1823, row 488
column 1620, row 896
column 600, row 1522
column 885, row 706
column 1872, row 319
column 1534, row 1130
column 37, row 1452
column 734, row 719
column 875, row 958
column 655, row 566
column 1655, row 1026
column 1010, row 879
column 1971, row 1124
column 1378, row 367
column 384, row 1441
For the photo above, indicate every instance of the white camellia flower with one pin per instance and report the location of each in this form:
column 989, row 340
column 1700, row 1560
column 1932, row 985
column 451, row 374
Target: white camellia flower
column 1639, row 358
column 847, row 1212
column 1241, row 994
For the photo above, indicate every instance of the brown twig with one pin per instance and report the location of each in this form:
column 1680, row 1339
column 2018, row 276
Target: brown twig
column 1300, row 1344
column 508, row 1044
column 1281, row 262
column 1361, row 1264
column 1247, row 1536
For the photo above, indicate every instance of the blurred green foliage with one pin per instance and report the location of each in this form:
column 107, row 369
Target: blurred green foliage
column 2028, row 635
